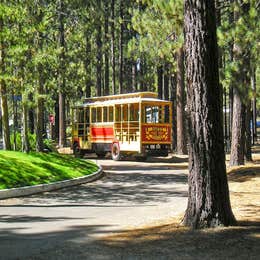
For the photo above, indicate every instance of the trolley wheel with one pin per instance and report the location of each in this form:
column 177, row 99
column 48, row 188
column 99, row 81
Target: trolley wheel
column 115, row 152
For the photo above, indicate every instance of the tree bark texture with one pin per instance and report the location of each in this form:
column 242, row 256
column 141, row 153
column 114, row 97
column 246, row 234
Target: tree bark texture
column 31, row 115
column 160, row 80
column 62, row 125
column 254, row 111
column 40, row 110
column 174, row 111
column 106, row 79
column 248, row 137
column 143, row 71
column 5, row 117
column 134, row 72
column 121, row 50
column 240, row 95
column 88, row 63
column 15, row 121
column 99, row 59
column 238, row 130
column 3, row 96
column 62, row 80
column 231, row 59
column 25, row 138
column 208, row 195
column 181, row 134
column 113, row 63
column 166, row 82
column 56, row 119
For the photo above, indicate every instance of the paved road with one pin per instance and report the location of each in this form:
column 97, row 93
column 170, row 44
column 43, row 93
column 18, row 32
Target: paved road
column 131, row 194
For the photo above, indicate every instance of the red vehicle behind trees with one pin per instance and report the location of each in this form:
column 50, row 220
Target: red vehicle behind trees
column 136, row 123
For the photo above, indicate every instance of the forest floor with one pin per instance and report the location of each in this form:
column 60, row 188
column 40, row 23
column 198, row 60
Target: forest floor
column 170, row 240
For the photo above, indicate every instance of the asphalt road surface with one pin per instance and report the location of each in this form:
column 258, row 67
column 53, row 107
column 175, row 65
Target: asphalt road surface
column 131, row 194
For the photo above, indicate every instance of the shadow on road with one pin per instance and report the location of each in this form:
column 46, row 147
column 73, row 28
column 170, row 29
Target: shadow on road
column 31, row 219
column 243, row 175
column 161, row 242
column 47, row 245
column 120, row 190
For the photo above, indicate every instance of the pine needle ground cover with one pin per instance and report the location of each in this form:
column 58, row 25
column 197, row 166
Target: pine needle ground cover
column 19, row 169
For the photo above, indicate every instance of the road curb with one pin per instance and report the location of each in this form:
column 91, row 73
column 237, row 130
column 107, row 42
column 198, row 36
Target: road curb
column 29, row 190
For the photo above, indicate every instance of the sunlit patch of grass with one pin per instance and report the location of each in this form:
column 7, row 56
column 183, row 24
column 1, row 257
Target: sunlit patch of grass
column 18, row 169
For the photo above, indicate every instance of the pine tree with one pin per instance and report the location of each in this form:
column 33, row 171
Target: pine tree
column 208, row 197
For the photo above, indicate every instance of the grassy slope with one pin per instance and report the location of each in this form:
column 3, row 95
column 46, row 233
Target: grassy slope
column 19, row 169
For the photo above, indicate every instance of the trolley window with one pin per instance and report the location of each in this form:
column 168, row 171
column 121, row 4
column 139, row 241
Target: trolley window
column 80, row 115
column 93, row 115
column 110, row 114
column 156, row 114
column 118, row 113
column 134, row 112
column 105, row 113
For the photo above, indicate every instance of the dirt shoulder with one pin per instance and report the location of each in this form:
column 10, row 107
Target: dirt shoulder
column 171, row 241
column 244, row 185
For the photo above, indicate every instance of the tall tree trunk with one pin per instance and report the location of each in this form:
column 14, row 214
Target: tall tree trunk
column 15, row 120
column 248, row 137
column 88, row 63
column 113, row 63
column 57, row 119
column 221, row 64
column 231, row 59
column 106, row 79
column 248, row 111
column 40, row 87
column 254, row 113
column 62, row 126
column 226, row 123
column 3, row 94
column 134, row 83
column 160, row 80
column 40, row 109
column 31, row 115
column 99, row 56
column 208, row 196
column 62, row 81
column 238, row 130
column 121, row 52
column 240, row 96
column 143, row 83
column 181, row 136
column 166, row 82
column 174, row 110
column 25, row 138
column 5, row 117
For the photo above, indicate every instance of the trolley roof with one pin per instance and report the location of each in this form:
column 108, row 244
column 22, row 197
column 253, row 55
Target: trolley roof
column 131, row 98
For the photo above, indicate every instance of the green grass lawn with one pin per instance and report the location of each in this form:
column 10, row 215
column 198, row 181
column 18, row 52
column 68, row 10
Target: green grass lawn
column 19, row 169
